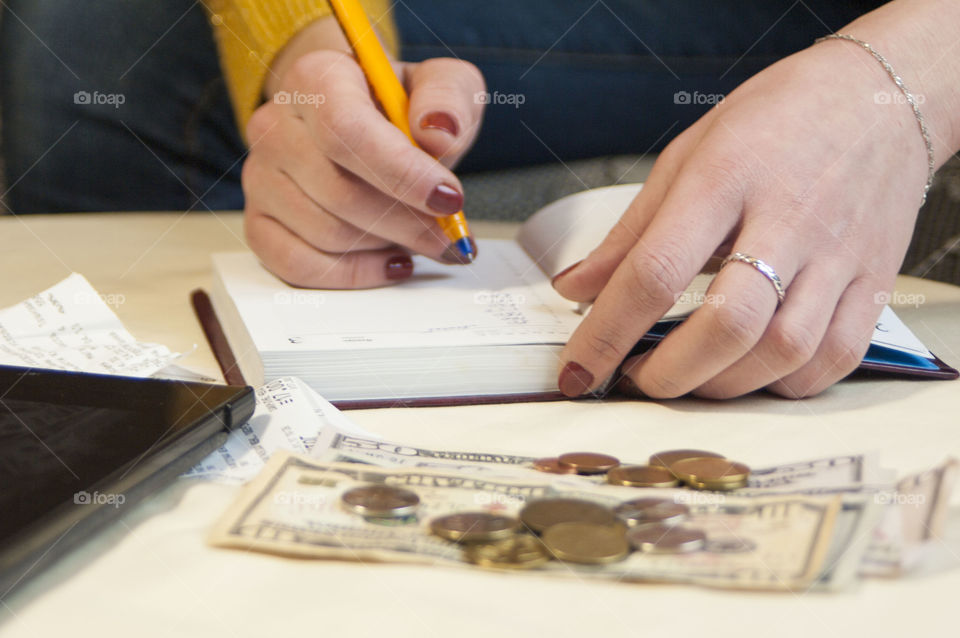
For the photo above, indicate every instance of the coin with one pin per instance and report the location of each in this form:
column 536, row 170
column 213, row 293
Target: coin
column 732, row 545
column 651, row 510
column 589, row 462
column 474, row 527
column 641, row 476
column 666, row 539
column 520, row 551
column 711, row 473
column 668, row 458
column 380, row 501
column 539, row 515
column 587, row 543
column 551, row 465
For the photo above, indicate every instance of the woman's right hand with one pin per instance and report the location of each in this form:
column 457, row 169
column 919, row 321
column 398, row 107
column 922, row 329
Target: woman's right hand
column 335, row 195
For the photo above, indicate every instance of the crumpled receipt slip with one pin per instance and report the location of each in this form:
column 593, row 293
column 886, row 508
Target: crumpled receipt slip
column 70, row 327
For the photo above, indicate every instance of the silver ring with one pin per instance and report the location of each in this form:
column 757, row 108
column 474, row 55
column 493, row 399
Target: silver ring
column 764, row 268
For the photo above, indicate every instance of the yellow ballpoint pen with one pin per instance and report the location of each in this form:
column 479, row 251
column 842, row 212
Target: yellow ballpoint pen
column 393, row 98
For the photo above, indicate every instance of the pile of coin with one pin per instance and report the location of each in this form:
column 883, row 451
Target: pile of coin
column 697, row 469
column 568, row 529
column 571, row 530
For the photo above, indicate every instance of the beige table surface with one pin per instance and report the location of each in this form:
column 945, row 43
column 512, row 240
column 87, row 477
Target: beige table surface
column 151, row 575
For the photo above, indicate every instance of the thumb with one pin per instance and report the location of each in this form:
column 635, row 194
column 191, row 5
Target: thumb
column 445, row 108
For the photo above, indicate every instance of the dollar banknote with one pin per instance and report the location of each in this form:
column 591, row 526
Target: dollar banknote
column 827, row 475
column 778, row 541
column 912, row 520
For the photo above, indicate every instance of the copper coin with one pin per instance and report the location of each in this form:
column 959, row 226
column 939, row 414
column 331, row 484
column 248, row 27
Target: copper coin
column 720, row 486
column 642, row 476
column 669, row 457
column 380, row 501
column 711, row 473
column 587, row 543
column 666, row 539
column 539, row 515
column 474, row 527
column 589, row 462
column 641, row 511
column 551, row 465
column 520, row 551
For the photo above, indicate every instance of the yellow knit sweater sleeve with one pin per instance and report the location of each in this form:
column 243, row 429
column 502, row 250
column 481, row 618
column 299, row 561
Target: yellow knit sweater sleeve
column 250, row 33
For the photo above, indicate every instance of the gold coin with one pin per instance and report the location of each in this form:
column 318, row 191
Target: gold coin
column 587, row 543
column 520, row 551
column 474, row 527
column 539, row 515
column 666, row 539
column 709, row 473
column 589, row 462
column 641, row 511
column 669, row 457
column 380, row 501
column 551, row 465
column 641, row 476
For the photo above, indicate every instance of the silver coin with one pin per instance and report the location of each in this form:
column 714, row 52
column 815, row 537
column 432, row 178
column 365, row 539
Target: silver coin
column 666, row 539
column 651, row 510
column 380, row 501
column 732, row 545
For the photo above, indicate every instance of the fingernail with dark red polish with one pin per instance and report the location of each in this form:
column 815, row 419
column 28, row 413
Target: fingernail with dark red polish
column 399, row 267
column 453, row 254
column 574, row 379
column 440, row 120
column 445, row 200
column 564, row 272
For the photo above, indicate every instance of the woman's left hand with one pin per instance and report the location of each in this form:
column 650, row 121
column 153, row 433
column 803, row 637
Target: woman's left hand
column 805, row 166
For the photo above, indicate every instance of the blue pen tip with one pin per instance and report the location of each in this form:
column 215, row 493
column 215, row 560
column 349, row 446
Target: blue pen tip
column 467, row 248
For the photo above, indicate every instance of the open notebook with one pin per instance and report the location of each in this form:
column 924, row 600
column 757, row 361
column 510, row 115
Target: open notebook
column 491, row 331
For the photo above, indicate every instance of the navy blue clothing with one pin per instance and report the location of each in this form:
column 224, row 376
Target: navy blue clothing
column 121, row 105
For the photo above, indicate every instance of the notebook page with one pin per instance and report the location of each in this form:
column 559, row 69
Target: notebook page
column 500, row 299
column 891, row 332
column 564, row 232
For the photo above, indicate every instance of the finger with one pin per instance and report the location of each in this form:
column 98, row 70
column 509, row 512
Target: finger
column 282, row 141
column 445, row 112
column 295, row 261
column 358, row 204
column 349, row 129
column 673, row 249
column 791, row 339
column 719, row 333
column 844, row 346
column 584, row 280
column 273, row 191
